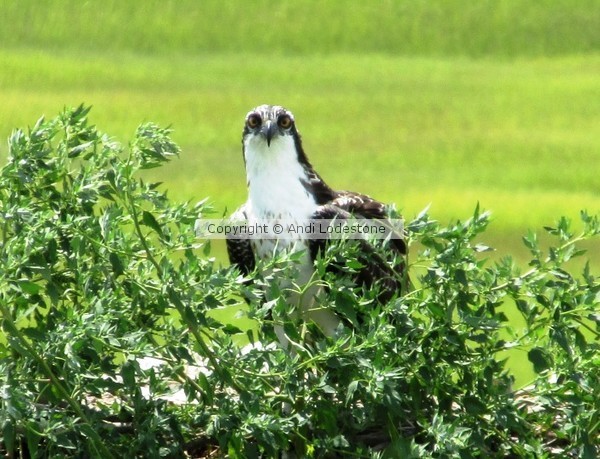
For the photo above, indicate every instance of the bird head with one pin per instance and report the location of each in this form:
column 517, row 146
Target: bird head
column 270, row 139
column 268, row 124
column 273, row 154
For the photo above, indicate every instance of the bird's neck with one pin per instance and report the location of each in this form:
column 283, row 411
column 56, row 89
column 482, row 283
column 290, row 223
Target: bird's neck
column 277, row 181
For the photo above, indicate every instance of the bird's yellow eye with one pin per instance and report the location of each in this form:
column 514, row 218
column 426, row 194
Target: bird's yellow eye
column 284, row 122
column 254, row 121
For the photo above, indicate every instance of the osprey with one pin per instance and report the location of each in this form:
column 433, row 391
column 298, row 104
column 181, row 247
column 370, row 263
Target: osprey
column 283, row 186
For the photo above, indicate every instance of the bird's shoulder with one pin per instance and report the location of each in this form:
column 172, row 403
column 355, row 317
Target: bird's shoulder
column 350, row 204
column 383, row 262
column 359, row 204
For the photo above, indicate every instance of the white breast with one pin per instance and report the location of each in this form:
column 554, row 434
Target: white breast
column 276, row 193
column 275, row 190
column 274, row 180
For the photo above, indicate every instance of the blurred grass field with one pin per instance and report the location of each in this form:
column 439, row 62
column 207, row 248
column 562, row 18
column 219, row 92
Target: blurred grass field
column 447, row 103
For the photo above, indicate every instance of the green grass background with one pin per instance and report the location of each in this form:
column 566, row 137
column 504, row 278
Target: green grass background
column 415, row 102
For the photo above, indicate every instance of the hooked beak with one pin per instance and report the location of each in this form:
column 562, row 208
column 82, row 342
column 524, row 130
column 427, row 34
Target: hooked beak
column 269, row 129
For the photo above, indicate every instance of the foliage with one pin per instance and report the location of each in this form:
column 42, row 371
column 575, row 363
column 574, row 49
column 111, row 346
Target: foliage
column 111, row 348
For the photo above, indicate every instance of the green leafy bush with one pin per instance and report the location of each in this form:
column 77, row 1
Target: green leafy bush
column 111, row 348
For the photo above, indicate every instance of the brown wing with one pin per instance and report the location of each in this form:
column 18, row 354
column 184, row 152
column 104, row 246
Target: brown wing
column 240, row 250
column 362, row 205
column 241, row 254
column 389, row 276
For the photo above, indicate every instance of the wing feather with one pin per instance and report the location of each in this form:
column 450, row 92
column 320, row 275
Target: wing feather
column 240, row 251
column 364, row 206
column 388, row 275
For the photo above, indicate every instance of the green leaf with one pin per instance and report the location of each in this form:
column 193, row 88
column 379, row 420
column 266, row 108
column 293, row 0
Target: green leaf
column 580, row 340
column 540, row 358
column 128, row 374
column 117, row 265
column 80, row 112
column 474, row 406
column 207, row 389
column 291, row 330
column 460, row 276
column 437, row 310
column 345, row 305
column 531, row 241
column 354, row 264
column 351, row 390
column 559, row 336
column 523, row 307
column 149, row 220
column 28, row 286
column 78, row 149
column 189, row 317
column 230, row 329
